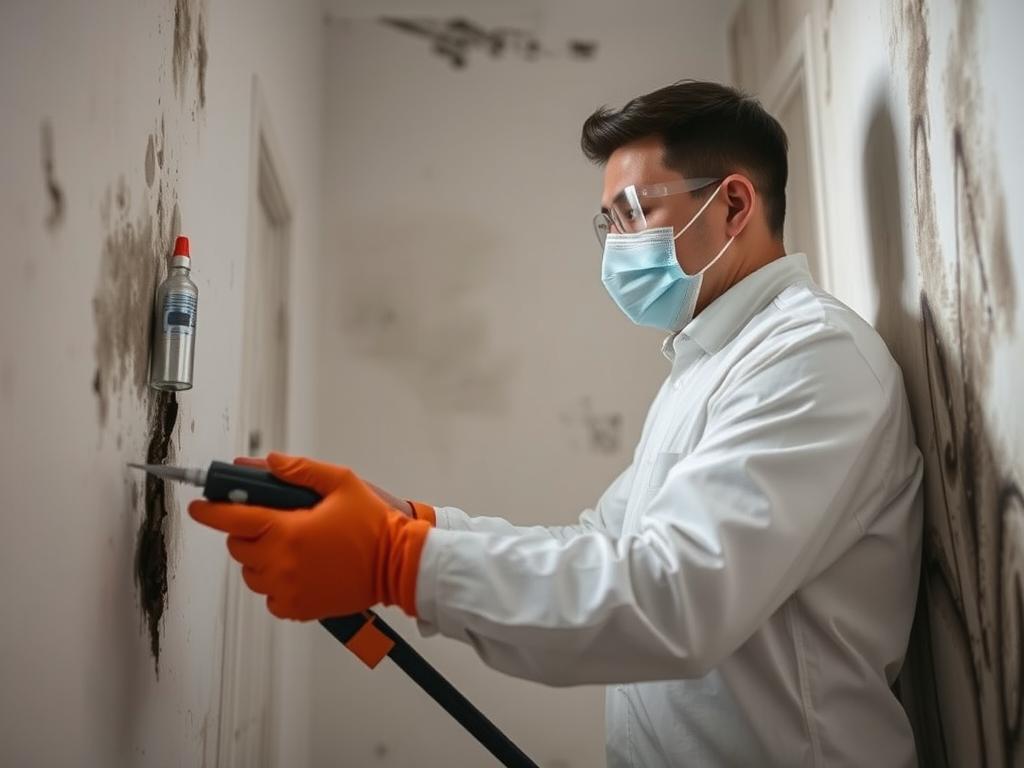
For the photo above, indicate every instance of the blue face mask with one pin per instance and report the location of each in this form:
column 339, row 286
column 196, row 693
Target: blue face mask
column 643, row 276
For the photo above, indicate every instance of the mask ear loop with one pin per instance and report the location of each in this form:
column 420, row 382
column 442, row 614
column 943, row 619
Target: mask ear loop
column 698, row 213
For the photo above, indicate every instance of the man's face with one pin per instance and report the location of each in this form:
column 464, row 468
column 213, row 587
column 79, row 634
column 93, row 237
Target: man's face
column 641, row 163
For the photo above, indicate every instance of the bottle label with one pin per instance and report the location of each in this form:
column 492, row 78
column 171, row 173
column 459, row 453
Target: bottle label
column 179, row 314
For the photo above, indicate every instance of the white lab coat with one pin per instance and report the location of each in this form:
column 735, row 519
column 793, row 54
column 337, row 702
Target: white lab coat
column 746, row 587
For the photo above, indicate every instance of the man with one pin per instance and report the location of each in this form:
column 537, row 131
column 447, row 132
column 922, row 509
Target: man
column 746, row 586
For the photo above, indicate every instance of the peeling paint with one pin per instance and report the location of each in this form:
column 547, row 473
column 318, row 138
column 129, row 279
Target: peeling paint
column 55, row 217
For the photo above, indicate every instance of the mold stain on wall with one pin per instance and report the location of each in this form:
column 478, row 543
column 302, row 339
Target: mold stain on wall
column 55, row 217
column 151, row 547
column 962, row 682
column 136, row 247
column 182, row 43
column 134, row 258
column 446, row 355
column 202, row 54
column 189, row 49
column 600, row 432
column 455, row 39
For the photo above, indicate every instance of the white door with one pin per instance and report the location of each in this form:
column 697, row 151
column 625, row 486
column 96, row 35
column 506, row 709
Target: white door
column 247, row 694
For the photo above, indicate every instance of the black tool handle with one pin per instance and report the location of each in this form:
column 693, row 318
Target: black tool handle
column 435, row 685
column 253, row 485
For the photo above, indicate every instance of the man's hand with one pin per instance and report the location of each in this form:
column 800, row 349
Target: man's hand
column 349, row 552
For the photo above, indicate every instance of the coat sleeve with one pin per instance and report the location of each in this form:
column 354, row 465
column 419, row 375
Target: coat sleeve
column 735, row 528
column 606, row 517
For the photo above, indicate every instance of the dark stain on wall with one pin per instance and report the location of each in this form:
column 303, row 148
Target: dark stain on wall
column 150, row 161
column 151, row 543
column 456, row 39
column 55, row 217
column 963, row 676
column 202, row 54
column 181, row 51
column 161, row 145
column 443, row 350
column 826, row 44
column 122, row 305
column 601, row 432
column 189, row 48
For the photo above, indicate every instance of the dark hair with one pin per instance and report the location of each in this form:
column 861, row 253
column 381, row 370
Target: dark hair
column 708, row 130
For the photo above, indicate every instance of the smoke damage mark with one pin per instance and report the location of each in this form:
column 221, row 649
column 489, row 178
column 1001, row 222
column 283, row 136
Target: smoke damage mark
column 455, row 39
column 151, row 544
column 53, row 190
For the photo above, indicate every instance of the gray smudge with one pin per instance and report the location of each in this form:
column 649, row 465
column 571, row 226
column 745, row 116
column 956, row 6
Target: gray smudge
column 56, row 215
column 202, row 54
column 150, row 162
column 182, row 43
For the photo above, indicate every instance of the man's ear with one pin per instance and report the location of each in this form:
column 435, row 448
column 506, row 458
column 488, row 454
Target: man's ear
column 740, row 197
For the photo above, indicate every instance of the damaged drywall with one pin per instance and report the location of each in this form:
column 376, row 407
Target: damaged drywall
column 962, row 681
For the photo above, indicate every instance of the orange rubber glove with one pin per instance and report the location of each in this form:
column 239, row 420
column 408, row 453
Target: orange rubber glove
column 415, row 509
column 346, row 554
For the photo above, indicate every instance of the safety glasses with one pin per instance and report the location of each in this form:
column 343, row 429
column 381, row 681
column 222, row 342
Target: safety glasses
column 625, row 215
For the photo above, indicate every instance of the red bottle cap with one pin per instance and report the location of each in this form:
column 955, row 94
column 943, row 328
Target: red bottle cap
column 181, row 247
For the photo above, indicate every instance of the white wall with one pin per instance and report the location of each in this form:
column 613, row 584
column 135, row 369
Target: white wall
column 78, row 683
column 921, row 114
column 469, row 354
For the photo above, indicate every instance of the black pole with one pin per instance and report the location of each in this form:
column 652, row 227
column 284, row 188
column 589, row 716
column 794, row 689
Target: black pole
column 436, row 686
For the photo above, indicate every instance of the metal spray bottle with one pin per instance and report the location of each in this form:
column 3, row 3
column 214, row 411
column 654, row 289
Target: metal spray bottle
column 174, row 324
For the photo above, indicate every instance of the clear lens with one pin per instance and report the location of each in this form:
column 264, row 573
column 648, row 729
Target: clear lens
column 626, row 213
